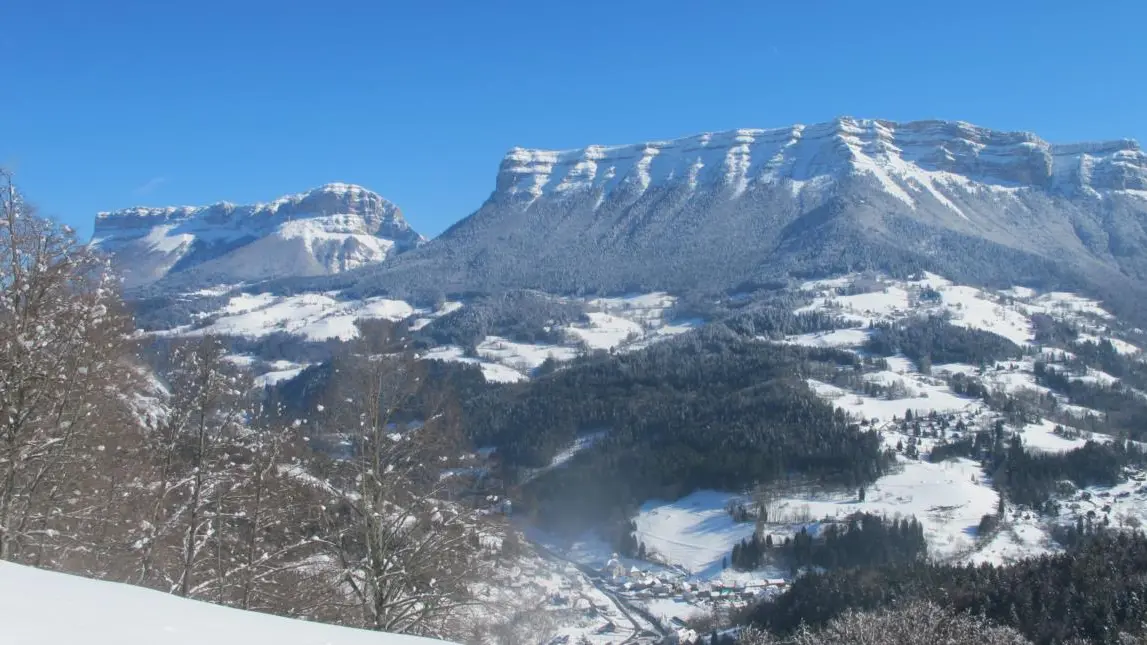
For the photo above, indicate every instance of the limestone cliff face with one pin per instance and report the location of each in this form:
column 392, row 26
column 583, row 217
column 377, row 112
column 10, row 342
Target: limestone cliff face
column 333, row 228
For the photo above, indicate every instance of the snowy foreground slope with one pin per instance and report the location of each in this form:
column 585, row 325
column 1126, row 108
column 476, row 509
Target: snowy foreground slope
column 48, row 608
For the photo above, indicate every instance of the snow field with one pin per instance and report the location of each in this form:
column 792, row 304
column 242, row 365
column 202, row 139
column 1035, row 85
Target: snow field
column 280, row 371
column 697, row 532
column 446, row 308
column 694, row 532
column 1041, row 437
column 627, row 323
column 524, row 357
column 839, row 338
column 106, row 613
column 606, row 331
column 924, row 396
column 494, row 372
column 623, row 324
column 1121, row 346
column 948, row 498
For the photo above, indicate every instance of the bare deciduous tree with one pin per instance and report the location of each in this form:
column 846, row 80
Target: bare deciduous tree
column 195, row 473
column 65, row 370
column 404, row 550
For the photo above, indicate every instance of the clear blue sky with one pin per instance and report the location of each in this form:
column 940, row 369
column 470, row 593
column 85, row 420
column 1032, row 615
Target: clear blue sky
column 114, row 103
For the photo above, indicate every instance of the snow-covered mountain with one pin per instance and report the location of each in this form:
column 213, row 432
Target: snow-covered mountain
column 716, row 210
column 333, row 228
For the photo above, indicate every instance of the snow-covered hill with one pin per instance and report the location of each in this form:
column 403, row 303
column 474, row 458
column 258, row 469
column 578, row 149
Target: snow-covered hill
column 333, row 228
column 48, row 608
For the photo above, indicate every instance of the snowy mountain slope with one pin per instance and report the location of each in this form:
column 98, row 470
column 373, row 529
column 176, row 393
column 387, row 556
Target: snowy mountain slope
column 333, row 228
column 48, row 608
column 716, row 210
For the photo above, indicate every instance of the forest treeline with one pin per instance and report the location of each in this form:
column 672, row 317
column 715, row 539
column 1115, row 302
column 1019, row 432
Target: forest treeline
column 861, row 540
column 1093, row 593
column 929, row 340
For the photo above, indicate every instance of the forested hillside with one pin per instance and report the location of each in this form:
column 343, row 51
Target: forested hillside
column 1094, row 593
column 708, row 410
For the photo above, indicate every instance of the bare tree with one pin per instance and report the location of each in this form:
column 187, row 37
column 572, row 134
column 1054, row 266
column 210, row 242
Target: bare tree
column 263, row 543
column 66, row 369
column 195, row 472
column 404, row 551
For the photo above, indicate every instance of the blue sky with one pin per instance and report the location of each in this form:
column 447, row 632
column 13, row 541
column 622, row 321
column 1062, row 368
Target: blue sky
column 126, row 102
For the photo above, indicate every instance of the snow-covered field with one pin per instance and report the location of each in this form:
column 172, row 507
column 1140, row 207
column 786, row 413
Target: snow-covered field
column 313, row 316
column 834, row 338
column 924, row 395
column 48, row 608
column 280, row 371
column 1041, row 437
column 694, row 532
column 629, row 323
column 948, row 498
column 606, row 331
column 523, row 357
column 494, row 372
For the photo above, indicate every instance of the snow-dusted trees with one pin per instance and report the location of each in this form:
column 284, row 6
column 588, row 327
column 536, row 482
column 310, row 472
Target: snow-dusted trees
column 913, row 623
column 269, row 528
column 65, row 374
column 224, row 513
column 402, row 548
column 194, row 447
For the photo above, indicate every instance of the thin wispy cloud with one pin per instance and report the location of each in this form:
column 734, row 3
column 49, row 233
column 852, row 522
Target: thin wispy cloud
column 149, row 186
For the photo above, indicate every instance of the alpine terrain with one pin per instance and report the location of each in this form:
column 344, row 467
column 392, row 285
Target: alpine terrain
column 757, row 386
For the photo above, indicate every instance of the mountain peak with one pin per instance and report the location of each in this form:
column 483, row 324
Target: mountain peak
column 328, row 229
